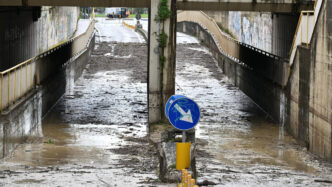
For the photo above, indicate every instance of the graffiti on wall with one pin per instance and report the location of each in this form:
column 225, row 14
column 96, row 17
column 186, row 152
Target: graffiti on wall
column 234, row 21
column 252, row 28
column 59, row 23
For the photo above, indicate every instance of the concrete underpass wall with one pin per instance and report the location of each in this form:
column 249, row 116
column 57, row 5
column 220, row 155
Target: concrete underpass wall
column 304, row 106
column 63, row 77
column 270, row 32
column 24, row 120
column 261, row 90
column 19, row 124
column 309, row 109
column 26, row 31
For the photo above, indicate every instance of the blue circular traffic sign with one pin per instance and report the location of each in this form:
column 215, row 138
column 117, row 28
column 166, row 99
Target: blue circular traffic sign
column 182, row 112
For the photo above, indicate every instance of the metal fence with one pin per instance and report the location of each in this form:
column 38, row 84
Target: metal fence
column 21, row 79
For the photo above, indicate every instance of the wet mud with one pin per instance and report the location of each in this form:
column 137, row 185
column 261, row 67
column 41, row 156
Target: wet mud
column 238, row 145
column 96, row 135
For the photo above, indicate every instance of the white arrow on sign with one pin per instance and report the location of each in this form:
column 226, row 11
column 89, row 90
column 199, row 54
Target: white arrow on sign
column 185, row 116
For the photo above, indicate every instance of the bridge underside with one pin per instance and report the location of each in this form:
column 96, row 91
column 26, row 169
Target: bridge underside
column 244, row 6
column 220, row 5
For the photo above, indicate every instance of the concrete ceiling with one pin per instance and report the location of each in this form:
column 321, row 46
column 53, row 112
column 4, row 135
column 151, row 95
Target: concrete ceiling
column 221, row 5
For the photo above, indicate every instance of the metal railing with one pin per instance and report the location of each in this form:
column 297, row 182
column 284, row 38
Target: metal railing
column 21, row 79
column 16, row 82
column 304, row 29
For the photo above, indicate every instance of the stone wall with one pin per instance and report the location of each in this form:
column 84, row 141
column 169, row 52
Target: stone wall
column 28, row 31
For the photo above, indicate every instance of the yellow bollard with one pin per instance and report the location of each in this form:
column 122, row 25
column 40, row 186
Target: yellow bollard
column 183, row 155
column 185, row 179
column 192, row 182
column 182, row 176
column 189, row 180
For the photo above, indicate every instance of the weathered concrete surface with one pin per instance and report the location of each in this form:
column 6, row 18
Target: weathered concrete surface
column 161, row 74
column 309, row 113
column 24, row 34
column 155, row 96
column 246, row 5
column 270, row 32
column 166, row 145
column 96, row 135
column 262, row 63
column 237, row 144
column 21, row 123
column 23, row 119
column 81, row 3
column 67, row 68
column 304, row 107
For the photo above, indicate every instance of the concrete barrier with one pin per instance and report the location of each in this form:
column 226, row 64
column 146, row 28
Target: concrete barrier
column 139, row 30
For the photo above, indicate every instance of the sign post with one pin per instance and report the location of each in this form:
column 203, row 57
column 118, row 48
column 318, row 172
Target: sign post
column 183, row 113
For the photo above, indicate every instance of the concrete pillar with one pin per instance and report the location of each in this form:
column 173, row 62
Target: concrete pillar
column 161, row 76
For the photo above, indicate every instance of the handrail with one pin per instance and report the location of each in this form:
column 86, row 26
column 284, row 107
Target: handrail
column 15, row 67
column 305, row 18
column 27, row 70
column 216, row 32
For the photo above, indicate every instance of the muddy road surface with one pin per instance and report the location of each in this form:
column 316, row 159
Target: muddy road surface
column 96, row 135
column 238, row 145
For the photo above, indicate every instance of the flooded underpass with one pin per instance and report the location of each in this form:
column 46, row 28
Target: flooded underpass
column 238, row 144
column 97, row 133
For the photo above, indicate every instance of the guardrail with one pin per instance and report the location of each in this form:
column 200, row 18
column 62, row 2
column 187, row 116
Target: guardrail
column 139, row 30
column 305, row 28
column 128, row 25
column 21, row 79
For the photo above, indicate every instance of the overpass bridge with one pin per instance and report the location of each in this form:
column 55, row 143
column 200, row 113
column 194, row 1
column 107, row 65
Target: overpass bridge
column 282, row 6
